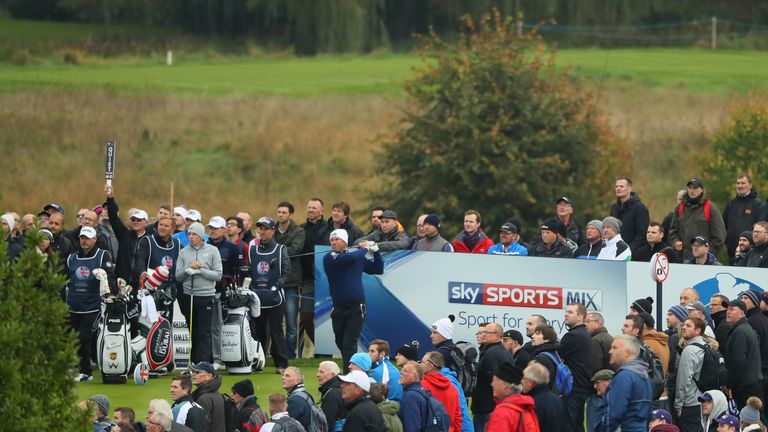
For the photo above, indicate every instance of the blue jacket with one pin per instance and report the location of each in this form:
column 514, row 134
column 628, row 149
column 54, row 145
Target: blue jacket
column 628, row 399
column 514, row 249
column 413, row 408
column 395, row 390
column 466, row 418
column 345, row 271
column 183, row 238
column 595, row 411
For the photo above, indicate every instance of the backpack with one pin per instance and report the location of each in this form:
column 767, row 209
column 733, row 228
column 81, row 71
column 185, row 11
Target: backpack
column 713, row 372
column 655, row 370
column 464, row 357
column 707, row 210
column 231, row 415
column 563, row 382
column 528, row 419
column 287, row 424
column 318, row 422
column 435, row 419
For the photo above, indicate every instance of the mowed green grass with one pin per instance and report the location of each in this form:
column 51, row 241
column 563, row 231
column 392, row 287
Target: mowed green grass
column 138, row 397
column 697, row 70
column 27, row 31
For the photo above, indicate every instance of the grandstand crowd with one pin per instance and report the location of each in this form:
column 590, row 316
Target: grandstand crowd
column 707, row 371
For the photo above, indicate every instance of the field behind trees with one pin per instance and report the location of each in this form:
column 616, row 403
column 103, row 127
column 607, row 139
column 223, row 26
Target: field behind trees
column 251, row 129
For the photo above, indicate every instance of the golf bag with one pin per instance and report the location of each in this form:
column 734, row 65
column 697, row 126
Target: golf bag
column 154, row 344
column 239, row 351
column 114, row 349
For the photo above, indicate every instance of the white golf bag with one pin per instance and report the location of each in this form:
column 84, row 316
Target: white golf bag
column 239, row 351
column 114, row 350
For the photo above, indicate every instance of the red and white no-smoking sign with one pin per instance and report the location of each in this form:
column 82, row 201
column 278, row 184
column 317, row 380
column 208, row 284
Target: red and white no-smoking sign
column 659, row 267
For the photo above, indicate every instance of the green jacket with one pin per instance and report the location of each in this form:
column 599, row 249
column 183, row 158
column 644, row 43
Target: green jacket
column 692, row 222
column 293, row 239
column 389, row 411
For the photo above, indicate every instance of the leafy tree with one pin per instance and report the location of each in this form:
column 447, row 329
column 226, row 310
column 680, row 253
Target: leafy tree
column 38, row 351
column 489, row 124
column 738, row 147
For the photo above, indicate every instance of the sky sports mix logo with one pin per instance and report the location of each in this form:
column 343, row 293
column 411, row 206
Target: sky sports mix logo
column 522, row 295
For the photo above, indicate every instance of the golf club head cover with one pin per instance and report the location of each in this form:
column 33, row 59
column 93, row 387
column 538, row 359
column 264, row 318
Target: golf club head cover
column 156, row 277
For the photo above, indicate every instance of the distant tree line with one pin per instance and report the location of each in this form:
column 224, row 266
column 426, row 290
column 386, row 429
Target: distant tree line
column 316, row 26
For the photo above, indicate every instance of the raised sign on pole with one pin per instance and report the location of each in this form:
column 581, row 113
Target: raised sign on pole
column 109, row 172
column 659, row 273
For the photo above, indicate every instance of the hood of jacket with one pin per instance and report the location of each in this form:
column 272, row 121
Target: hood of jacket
column 211, row 386
column 437, row 380
column 656, row 336
column 637, row 366
column 719, row 405
column 389, row 407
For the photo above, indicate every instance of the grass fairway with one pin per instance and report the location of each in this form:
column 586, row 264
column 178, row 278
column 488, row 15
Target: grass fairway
column 138, row 397
column 693, row 69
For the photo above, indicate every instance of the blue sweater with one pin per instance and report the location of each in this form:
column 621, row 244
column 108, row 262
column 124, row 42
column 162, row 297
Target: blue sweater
column 413, row 408
column 345, row 271
column 466, row 418
column 628, row 399
column 394, row 389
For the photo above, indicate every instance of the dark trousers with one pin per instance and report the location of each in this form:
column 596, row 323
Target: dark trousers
column 268, row 327
column 291, row 319
column 742, row 393
column 690, row 419
column 575, row 405
column 480, row 421
column 347, row 322
column 201, row 329
column 83, row 325
column 307, row 314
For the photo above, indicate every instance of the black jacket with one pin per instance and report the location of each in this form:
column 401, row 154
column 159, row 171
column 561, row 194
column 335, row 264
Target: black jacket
column 299, row 402
column 558, row 250
column 364, row 416
column 549, row 408
column 572, row 231
column 722, row 328
column 490, row 359
column 126, row 241
column 646, row 252
column 353, row 232
column 521, row 358
column 64, row 247
column 634, row 220
column 576, row 351
column 314, row 234
column 544, row 360
column 208, row 396
column 331, row 402
column 756, row 255
column 15, row 246
column 247, row 407
column 742, row 356
column 589, row 250
column 759, row 324
column 739, row 215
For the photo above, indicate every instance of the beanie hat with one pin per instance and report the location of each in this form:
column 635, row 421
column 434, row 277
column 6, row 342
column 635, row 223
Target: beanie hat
column 679, row 311
column 665, row 427
column 8, row 218
column 433, row 220
column 647, row 319
column 363, row 360
column 244, row 388
column 764, row 297
column 748, row 236
column 197, row 228
column 47, row 233
column 754, row 296
column 409, row 351
column 613, row 223
column 749, row 415
column 509, row 373
column 102, row 402
column 598, row 224
column 554, row 225
column 643, row 305
column 340, row 234
column 444, row 326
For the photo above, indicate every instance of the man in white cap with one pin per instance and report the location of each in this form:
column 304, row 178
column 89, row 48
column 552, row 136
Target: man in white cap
column 230, row 265
column 442, row 338
column 344, row 270
column 191, row 216
column 363, row 412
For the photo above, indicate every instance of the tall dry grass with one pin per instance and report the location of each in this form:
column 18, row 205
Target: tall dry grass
column 228, row 154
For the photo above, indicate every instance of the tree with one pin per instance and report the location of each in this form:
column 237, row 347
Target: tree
column 38, row 350
column 489, row 124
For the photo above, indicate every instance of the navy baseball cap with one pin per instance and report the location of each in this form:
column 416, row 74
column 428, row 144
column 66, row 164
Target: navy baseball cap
column 728, row 419
column 202, row 367
column 661, row 414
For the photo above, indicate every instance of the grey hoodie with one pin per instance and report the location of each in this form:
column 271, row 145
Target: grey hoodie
column 203, row 283
column 689, row 368
column 720, row 405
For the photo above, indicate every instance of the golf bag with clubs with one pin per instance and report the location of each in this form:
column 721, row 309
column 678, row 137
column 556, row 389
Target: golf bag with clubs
column 239, row 351
column 154, row 344
column 113, row 340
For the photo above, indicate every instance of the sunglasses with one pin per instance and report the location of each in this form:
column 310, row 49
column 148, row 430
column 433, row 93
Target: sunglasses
column 135, row 219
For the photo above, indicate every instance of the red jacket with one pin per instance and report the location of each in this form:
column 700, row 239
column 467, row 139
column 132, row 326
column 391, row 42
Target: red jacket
column 442, row 389
column 506, row 416
column 482, row 246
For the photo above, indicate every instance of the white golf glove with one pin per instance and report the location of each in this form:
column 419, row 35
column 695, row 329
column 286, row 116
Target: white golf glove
column 246, row 283
column 190, row 271
column 373, row 247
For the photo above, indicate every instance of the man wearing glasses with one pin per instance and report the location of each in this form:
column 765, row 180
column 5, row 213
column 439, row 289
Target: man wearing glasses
column 127, row 236
column 760, row 251
column 376, row 219
column 492, row 354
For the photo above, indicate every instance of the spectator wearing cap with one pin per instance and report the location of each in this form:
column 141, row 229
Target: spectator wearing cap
column 442, row 338
column 596, row 401
column 441, row 388
column 361, row 362
column 564, row 213
column 340, row 220
column 44, row 247
column 492, row 354
column 270, row 271
column 749, row 416
column 102, row 421
column 185, row 410
column 615, row 248
column 387, row 235
column 696, row 309
column 628, row 396
column 549, row 408
column 509, row 236
column 552, row 245
column 686, row 403
column 643, row 305
column 247, row 404
column 696, row 216
column 432, row 240
column 363, row 414
column 760, row 250
column 594, row 241
column 91, row 276
column 631, row 212
column 700, row 253
column 13, row 236
column 660, row 417
column 331, row 401
column 180, row 219
column 207, row 394
column 718, row 306
column 382, row 369
column 514, row 408
column 728, row 423
column 601, row 341
column 127, row 236
column 743, row 249
column 290, row 234
column 190, row 216
column 654, row 243
column 713, row 405
column 513, row 342
column 89, row 218
column 198, row 269
column 741, row 212
column 406, row 353
column 742, row 356
column 472, row 239
column 230, row 268
column 344, row 270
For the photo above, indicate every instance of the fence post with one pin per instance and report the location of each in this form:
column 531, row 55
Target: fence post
column 713, row 42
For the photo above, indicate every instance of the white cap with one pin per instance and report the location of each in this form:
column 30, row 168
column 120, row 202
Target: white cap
column 139, row 214
column 87, row 231
column 356, row 377
column 340, row 234
column 194, row 215
column 181, row 211
column 217, row 222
